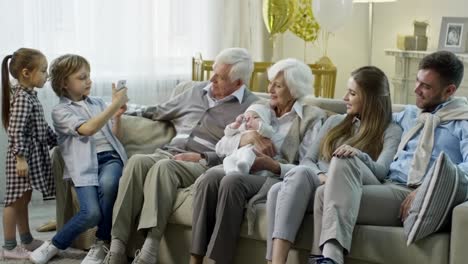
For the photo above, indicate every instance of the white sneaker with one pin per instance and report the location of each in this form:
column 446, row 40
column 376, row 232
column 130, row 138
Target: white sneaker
column 35, row 244
column 19, row 252
column 44, row 253
column 96, row 254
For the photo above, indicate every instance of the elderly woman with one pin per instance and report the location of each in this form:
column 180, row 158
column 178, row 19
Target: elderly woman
column 366, row 132
column 219, row 201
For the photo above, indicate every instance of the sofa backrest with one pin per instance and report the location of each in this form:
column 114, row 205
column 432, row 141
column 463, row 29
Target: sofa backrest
column 141, row 135
column 331, row 105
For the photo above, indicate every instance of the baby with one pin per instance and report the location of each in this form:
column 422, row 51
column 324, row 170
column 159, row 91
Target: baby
column 256, row 117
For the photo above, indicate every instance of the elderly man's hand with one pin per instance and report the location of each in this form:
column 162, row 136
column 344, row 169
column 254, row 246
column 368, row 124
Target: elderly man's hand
column 261, row 144
column 264, row 162
column 189, row 156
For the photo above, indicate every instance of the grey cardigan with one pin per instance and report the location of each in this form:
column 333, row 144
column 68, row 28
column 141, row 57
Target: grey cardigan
column 191, row 115
column 380, row 167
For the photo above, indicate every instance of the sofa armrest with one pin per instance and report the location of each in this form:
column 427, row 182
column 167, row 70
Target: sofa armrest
column 143, row 136
column 458, row 252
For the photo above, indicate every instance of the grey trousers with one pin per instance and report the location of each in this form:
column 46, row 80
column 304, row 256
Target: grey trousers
column 353, row 195
column 287, row 203
column 147, row 191
column 218, row 210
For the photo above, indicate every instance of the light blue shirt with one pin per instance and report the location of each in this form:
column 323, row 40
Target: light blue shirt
column 79, row 152
column 450, row 137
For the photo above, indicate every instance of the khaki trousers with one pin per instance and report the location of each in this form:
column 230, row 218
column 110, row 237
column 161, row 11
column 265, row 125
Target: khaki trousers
column 353, row 195
column 147, row 191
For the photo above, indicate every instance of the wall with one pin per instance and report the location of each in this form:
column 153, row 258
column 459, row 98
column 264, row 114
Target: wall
column 348, row 48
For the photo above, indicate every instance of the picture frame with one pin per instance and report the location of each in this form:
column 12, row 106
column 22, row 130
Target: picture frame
column 453, row 34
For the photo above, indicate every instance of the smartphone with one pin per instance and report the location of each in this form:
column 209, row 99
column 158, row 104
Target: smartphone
column 121, row 84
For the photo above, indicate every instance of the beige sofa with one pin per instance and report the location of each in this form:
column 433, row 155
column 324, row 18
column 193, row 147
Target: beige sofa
column 371, row 244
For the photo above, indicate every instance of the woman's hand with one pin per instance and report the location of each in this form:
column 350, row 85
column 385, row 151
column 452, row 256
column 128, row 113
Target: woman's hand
column 265, row 162
column 22, row 167
column 322, row 178
column 262, row 144
column 345, row 151
column 189, row 156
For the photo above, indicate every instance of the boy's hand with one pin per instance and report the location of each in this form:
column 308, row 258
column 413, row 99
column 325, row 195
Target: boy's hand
column 121, row 110
column 120, row 96
column 22, row 167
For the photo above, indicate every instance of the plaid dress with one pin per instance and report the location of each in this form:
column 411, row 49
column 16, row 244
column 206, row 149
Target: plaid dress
column 29, row 136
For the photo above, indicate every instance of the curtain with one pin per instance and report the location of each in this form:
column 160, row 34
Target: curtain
column 147, row 42
column 245, row 28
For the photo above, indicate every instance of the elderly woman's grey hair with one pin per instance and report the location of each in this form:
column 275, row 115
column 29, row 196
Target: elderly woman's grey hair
column 241, row 61
column 297, row 76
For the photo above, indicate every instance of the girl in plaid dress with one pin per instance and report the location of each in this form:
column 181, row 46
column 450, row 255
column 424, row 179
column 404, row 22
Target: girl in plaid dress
column 29, row 138
column 87, row 132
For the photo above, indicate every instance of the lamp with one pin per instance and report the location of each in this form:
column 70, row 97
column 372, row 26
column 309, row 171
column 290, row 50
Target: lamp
column 371, row 18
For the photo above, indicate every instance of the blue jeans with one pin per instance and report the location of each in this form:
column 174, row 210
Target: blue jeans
column 96, row 203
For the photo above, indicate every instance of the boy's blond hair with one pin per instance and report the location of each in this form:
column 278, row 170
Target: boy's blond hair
column 62, row 67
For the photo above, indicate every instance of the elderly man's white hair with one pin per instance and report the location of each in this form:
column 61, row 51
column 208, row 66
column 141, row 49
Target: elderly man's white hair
column 241, row 61
column 297, row 76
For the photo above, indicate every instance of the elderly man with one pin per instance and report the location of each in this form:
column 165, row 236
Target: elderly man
column 149, row 183
column 431, row 158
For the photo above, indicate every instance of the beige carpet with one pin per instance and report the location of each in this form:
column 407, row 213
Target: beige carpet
column 69, row 256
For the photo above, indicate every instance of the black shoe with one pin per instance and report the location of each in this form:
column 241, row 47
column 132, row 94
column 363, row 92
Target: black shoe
column 325, row 261
column 313, row 258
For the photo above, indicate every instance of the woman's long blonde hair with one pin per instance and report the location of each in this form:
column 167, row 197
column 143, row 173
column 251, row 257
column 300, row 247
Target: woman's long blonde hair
column 375, row 116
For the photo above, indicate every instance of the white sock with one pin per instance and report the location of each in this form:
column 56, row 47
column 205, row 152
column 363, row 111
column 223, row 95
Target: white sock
column 117, row 246
column 332, row 249
column 150, row 249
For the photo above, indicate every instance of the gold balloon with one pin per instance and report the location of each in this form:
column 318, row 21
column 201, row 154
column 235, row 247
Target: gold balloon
column 278, row 15
column 305, row 26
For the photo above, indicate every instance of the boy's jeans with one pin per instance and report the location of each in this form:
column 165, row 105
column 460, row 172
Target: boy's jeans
column 96, row 203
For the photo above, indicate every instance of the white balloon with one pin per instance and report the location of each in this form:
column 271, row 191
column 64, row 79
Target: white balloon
column 332, row 14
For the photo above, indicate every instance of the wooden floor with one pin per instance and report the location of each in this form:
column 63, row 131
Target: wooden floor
column 40, row 212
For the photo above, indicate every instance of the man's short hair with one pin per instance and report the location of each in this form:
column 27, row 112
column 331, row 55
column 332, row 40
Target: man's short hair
column 449, row 67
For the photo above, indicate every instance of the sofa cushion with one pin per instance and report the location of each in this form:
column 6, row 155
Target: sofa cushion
column 371, row 244
column 142, row 135
column 445, row 187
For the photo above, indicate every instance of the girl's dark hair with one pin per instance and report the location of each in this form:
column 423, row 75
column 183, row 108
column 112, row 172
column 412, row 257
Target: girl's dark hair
column 23, row 58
